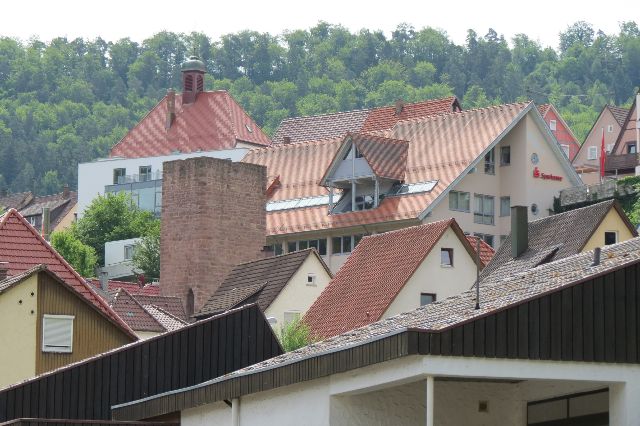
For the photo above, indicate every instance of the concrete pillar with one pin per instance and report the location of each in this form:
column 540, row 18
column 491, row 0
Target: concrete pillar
column 235, row 412
column 624, row 409
column 429, row 404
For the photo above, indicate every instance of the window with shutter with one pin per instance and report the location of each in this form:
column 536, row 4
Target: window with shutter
column 57, row 333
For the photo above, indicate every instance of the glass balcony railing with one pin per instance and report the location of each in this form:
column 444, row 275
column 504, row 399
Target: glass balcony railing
column 146, row 195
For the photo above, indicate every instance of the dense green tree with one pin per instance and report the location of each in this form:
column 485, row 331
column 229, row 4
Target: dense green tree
column 82, row 257
column 69, row 100
column 146, row 256
column 112, row 217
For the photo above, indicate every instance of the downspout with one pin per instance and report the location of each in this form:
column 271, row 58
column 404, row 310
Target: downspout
column 235, row 412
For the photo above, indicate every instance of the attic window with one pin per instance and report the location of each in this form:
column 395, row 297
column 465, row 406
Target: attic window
column 311, row 279
column 552, row 124
column 610, row 237
column 446, row 257
column 57, row 333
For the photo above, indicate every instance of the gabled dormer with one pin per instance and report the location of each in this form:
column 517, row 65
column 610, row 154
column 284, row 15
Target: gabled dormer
column 365, row 168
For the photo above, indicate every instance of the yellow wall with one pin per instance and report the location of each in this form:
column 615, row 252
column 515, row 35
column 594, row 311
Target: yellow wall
column 431, row 277
column 18, row 335
column 297, row 296
column 67, row 220
column 144, row 335
column 92, row 332
column 612, row 222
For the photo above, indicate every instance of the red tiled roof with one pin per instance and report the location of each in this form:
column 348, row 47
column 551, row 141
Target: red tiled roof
column 135, row 315
column 385, row 118
column 543, row 109
column 387, row 157
column 214, row 122
column 132, row 288
column 172, row 305
column 486, row 251
column 440, row 148
column 373, row 275
column 335, row 125
column 168, row 321
column 23, row 248
column 15, row 201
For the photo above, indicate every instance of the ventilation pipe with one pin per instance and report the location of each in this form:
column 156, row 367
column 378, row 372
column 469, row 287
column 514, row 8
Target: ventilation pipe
column 519, row 230
column 596, row 256
column 104, row 280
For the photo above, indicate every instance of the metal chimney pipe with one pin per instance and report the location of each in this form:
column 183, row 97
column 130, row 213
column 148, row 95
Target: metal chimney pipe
column 104, row 280
column 477, row 272
column 519, row 230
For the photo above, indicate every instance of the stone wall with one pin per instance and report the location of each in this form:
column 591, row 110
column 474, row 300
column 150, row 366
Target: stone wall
column 213, row 218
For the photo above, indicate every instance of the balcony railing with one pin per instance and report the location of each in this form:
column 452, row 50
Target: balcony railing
column 143, row 177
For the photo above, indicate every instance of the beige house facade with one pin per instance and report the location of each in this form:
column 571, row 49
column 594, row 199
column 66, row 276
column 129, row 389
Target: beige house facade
column 466, row 169
column 587, row 161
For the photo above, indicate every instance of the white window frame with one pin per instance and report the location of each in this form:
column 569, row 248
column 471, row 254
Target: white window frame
column 503, row 212
column 132, row 247
column 609, row 148
column 448, row 250
column 565, row 149
column 592, row 153
column 311, row 280
column 57, row 348
column 610, row 128
column 553, row 124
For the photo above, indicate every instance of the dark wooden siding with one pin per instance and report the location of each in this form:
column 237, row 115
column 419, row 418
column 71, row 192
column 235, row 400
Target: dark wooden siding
column 163, row 363
column 92, row 333
column 597, row 320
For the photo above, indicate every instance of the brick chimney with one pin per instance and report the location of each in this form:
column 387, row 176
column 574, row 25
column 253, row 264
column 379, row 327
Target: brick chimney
column 399, row 106
column 213, row 218
column 519, row 230
column 65, row 191
column 171, row 108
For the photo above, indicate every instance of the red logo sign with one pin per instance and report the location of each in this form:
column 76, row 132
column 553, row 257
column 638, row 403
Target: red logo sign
column 547, row 176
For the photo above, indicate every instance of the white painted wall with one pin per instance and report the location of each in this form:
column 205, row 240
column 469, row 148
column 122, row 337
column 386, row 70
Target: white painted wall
column 393, row 393
column 94, row 176
column 515, row 181
column 114, row 250
column 431, row 277
column 298, row 296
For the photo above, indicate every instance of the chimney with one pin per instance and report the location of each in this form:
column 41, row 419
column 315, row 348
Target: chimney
column 596, row 256
column 286, row 140
column 267, row 251
column 104, row 280
column 65, row 191
column 519, row 230
column 171, row 108
column 46, row 222
column 4, row 270
column 399, row 106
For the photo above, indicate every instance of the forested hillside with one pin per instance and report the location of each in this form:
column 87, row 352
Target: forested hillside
column 69, row 101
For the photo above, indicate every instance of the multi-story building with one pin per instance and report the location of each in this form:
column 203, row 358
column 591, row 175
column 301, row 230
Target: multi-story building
column 587, row 160
column 565, row 137
column 194, row 123
column 470, row 165
column 623, row 160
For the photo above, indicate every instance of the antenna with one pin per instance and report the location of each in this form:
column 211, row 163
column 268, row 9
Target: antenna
column 478, row 273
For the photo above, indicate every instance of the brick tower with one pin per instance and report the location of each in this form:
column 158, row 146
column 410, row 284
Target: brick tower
column 213, row 218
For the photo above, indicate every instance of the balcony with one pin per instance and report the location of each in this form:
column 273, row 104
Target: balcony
column 145, row 194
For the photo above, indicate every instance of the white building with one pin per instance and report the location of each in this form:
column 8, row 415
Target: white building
column 556, row 345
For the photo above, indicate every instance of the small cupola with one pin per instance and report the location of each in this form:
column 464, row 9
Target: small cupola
column 193, row 71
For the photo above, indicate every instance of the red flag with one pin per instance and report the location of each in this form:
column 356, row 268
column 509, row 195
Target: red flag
column 603, row 155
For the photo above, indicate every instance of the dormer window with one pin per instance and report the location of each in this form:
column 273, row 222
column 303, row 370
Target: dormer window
column 364, row 202
column 358, row 153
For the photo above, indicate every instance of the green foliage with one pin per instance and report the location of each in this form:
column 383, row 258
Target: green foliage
column 294, row 335
column 68, row 101
column 82, row 257
column 146, row 256
column 112, row 217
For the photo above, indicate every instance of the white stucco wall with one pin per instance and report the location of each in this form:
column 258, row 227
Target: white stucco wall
column 298, row 296
column 515, row 181
column 114, row 250
column 393, row 392
column 94, row 176
column 431, row 277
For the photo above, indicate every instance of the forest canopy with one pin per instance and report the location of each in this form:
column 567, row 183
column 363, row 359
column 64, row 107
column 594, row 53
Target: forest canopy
column 68, row 101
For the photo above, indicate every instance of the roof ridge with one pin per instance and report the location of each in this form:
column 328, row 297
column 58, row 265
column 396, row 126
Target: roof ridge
column 410, row 228
column 295, row 144
column 164, row 312
column 326, row 114
column 297, row 252
column 433, row 117
column 611, row 201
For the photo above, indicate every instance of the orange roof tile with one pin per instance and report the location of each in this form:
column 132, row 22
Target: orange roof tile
column 385, row 118
column 23, row 248
column 387, row 157
column 214, row 122
column 373, row 275
column 441, row 147
column 486, row 251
